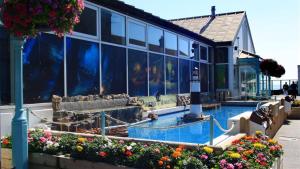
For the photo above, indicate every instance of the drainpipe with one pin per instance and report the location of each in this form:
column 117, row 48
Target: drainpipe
column 19, row 121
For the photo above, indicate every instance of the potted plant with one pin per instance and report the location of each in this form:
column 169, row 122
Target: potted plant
column 295, row 112
column 26, row 18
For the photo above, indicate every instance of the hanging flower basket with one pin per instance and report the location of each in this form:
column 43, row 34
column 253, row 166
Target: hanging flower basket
column 26, row 18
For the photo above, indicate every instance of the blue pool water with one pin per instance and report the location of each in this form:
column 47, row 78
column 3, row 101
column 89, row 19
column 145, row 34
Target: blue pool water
column 195, row 133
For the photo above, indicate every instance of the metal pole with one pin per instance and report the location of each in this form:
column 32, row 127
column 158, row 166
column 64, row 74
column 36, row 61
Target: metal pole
column 19, row 121
column 103, row 123
column 211, row 131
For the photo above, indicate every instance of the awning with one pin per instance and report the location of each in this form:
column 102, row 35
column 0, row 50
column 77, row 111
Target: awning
column 247, row 55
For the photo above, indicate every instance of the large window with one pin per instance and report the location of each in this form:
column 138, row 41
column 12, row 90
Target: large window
column 156, row 75
column 137, row 33
column 203, row 53
column 137, row 73
column 88, row 22
column 43, row 61
column 171, row 43
column 82, row 67
column 204, row 77
column 113, row 69
column 155, row 39
column 183, row 47
column 112, row 27
column 221, row 55
column 171, row 75
column 194, row 50
column 4, row 67
column 184, row 75
column 221, row 76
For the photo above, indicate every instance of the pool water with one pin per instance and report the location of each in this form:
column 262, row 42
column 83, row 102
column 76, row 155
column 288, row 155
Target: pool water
column 194, row 133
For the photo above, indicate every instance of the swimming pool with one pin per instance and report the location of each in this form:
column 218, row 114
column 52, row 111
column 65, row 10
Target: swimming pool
column 195, row 133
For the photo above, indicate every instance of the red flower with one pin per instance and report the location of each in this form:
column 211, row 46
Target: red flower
column 52, row 14
column 102, row 154
column 128, row 153
column 5, row 142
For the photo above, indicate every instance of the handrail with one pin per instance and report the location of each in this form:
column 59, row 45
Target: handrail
column 222, row 129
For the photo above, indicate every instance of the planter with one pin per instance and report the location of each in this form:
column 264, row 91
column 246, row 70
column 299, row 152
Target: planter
column 295, row 113
column 278, row 163
column 6, row 158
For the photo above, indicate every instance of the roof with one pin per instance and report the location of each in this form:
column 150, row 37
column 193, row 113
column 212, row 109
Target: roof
column 223, row 28
column 246, row 55
column 132, row 11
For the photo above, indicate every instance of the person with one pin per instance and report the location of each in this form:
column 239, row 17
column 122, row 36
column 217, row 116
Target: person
column 294, row 90
column 285, row 89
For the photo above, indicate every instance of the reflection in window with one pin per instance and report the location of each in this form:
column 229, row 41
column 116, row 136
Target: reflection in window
column 171, row 43
column 113, row 69
column 4, row 67
column 221, row 76
column 156, row 74
column 184, row 75
column 204, row 77
column 112, row 27
column 211, row 80
column 43, row 61
column 137, row 73
column 183, row 47
column 194, row 50
column 137, row 34
column 155, row 39
column 88, row 22
column 203, row 53
column 82, row 67
column 221, row 55
column 171, row 75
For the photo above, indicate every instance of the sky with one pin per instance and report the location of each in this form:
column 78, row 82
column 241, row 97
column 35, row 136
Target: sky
column 274, row 24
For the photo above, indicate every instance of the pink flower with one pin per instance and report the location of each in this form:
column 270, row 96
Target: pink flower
column 203, row 156
column 239, row 165
column 30, row 139
column 47, row 134
column 43, row 139
column 230, row 166
column 239, row 149
column 121, row 141
column 223, row 163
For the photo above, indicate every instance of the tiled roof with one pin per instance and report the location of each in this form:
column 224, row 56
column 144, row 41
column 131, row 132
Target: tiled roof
column 223, row 28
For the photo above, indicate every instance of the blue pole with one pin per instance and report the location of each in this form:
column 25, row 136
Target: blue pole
column 19, row 121
column 211, row 131
column 103, row 123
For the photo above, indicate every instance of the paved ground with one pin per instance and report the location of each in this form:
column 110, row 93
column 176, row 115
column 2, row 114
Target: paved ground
column 289, row 136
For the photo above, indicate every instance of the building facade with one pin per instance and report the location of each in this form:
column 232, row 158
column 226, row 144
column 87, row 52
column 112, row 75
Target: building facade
column 117, row 48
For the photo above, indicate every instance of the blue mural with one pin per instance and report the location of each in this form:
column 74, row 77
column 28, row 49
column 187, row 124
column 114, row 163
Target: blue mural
column 82, row 67
column 171, row 75
column 43, row 61
column 113, row 69
column 156, row 75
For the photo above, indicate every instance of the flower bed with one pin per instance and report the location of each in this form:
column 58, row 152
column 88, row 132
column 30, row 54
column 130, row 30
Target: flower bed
column 249, row 152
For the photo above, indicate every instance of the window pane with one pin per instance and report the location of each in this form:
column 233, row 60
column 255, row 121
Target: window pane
column 221, row 76
column 221, row 55
column 82, row 67
column 210, row 54
column 194, row 50
column 113, row 77
column 204, row 77
column 137, row 34
column 156, row 74
column 203, row 53
column 113, row 27
column 137, row 73
column 4, row 67
column 155, row 39
column 171, row 43
column 184, row 75
column 171, row 75
column 183, row 47
column 43, row 61
column 88, row 22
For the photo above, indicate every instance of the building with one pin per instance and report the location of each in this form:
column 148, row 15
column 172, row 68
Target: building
column 118, row 48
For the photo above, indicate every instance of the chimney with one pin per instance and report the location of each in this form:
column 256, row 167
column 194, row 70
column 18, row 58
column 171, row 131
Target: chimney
column 213, row 11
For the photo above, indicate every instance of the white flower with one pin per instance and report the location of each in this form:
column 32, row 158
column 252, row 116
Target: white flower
column 184, row 162
column 128, row 147
column 31, row 129
column 49, row 143
column 133, row 144
column 56, row 144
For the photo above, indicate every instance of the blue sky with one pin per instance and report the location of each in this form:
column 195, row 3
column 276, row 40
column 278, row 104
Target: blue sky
column 274, row 24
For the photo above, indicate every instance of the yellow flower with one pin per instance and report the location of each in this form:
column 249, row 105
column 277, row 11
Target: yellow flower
column 234, row 155
column 258, row 132
column 79, row 148
column 208, row 150
column 272, row 141
column 81, row 140
column 259, row 146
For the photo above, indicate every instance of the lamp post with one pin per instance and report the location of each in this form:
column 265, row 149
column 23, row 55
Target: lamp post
column 19, row 121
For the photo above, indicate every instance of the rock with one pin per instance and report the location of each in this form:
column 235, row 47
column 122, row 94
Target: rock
column 153, row 116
